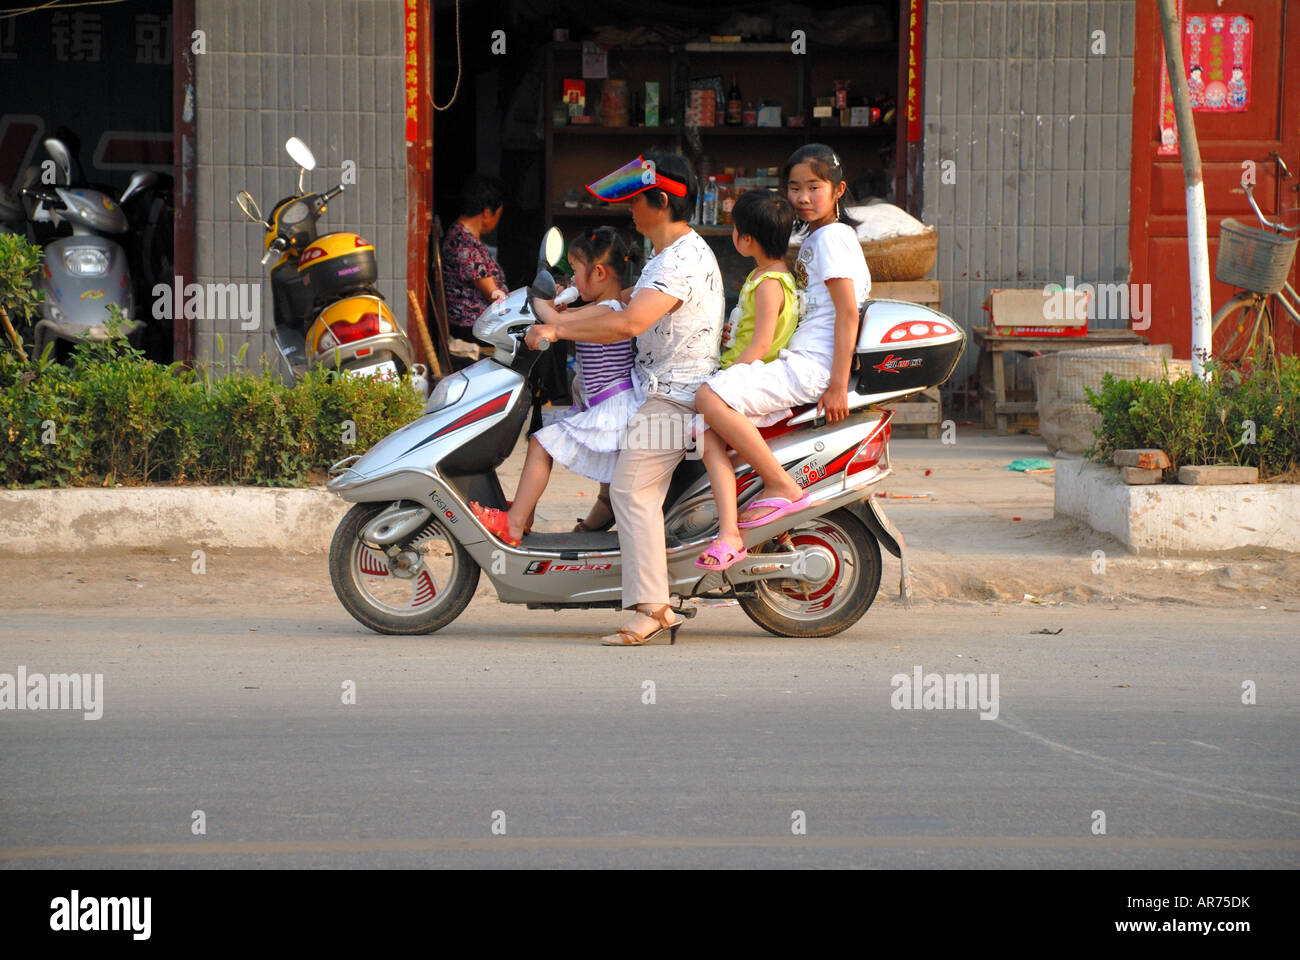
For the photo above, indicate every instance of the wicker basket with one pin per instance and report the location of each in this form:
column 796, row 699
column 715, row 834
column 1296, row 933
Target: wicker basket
column 1253, row 259
column 1066, row 420
column 902, row 258
column 895, row 259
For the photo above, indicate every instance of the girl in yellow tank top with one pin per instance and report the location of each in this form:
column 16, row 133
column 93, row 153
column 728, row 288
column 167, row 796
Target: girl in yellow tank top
column 738, row 331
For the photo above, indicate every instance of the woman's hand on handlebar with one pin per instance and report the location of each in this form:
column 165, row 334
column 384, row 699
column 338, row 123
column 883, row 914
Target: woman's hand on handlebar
column 539, row 332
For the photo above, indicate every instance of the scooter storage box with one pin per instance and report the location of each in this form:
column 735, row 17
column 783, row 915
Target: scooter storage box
column 337, row 265
column 904, row 348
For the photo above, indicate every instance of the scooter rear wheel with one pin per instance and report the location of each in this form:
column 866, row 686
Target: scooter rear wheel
column 379, row 597
column 796, row 608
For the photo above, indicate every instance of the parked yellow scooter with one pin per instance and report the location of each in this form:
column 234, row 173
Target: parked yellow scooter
column 327, row 311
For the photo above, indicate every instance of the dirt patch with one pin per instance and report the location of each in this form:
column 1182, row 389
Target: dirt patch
column 170, row 581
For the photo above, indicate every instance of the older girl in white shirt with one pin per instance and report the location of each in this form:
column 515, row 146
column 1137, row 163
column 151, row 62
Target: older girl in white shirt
column 834, row 282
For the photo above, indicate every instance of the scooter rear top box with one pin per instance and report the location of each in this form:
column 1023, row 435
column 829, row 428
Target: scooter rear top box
column 903, row 348
column 338, row 264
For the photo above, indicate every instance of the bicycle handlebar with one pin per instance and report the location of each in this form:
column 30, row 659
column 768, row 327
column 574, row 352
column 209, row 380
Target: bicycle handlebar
column 1279, row 226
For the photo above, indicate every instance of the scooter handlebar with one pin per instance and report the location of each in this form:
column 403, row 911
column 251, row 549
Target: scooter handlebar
column 522, row 337
column 277, row 247
column 329, row 195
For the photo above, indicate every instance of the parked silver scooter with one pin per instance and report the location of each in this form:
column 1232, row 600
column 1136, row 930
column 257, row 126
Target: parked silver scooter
column 87, row 272
column 407, row 558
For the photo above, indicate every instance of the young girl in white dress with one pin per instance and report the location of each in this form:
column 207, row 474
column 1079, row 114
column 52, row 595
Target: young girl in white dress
column 834, row 283
column 586, row 438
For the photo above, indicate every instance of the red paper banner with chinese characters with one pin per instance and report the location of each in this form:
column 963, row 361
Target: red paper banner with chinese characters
column 412, row 71
column 1217, row 57
column 914, row 54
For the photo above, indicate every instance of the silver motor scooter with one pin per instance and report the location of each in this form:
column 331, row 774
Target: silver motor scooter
column 87, row 272
column 407, row 557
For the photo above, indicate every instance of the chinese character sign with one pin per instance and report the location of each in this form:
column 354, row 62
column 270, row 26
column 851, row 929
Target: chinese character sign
column 412, row 72
column 153, row 38
column 913, row 105
column 76, row 36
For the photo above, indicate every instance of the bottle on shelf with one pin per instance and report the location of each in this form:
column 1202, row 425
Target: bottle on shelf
column 735, row 105
column 703, row 167
column 751, row 115
column 709, row 208
column 726, row 198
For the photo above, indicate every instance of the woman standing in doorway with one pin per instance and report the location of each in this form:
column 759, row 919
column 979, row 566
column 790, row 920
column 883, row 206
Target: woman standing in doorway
column 472, row 276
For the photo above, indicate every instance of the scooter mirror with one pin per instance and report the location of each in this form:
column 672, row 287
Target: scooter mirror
column 543, row 285
column 249, row 206
column 57, row 150
column 301, row 153
column 139, row 180
column 552, row 247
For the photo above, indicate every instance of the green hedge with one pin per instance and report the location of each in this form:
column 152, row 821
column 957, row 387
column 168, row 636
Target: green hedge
column 1208, row 422
column 111, row 417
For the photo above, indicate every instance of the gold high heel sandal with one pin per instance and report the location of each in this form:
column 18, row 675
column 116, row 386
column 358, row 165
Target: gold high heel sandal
column 628, row 638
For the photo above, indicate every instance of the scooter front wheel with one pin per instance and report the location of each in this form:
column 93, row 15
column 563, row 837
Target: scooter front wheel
column 799, row 608
column 420, row 591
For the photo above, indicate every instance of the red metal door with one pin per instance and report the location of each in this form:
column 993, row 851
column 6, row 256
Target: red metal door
column 1270, row 122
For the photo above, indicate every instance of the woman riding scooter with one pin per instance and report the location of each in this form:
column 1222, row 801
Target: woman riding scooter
column 676, row 314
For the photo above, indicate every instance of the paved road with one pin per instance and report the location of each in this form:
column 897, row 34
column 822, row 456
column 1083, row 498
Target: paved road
column 237, row 711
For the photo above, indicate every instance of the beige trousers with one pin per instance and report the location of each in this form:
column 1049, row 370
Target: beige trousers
column 656, row 442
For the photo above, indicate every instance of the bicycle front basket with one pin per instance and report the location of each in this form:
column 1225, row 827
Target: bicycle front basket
column 1253, row 259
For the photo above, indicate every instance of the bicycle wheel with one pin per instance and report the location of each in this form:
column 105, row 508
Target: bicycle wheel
column 1241, row 327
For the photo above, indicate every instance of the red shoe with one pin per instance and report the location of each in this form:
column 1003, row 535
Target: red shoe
column 494, row 521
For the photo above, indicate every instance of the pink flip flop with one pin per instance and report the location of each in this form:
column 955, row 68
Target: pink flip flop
column 723, row 555
column 778, row 507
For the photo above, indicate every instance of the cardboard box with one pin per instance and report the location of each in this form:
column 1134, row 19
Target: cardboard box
column 575, row 97
column 1037, row 313
column 701, row 108
column 769, row 116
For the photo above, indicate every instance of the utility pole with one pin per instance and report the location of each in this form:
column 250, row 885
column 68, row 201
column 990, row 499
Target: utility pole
column 1198, row 247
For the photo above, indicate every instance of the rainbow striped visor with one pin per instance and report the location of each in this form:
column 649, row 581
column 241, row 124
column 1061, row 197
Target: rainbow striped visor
column 633, row 178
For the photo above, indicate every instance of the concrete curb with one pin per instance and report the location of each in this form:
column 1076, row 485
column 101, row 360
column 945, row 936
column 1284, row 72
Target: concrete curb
column 1173, row 518
column 177, row 519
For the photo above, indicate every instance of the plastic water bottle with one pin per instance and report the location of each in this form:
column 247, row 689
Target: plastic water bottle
column 709, row 212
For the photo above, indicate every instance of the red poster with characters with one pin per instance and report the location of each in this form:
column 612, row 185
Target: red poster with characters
column 1217, row 58
column 915, row 56
column 412, row 70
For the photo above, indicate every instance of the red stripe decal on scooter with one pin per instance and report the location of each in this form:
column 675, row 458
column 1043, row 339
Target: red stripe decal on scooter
column 495, row 405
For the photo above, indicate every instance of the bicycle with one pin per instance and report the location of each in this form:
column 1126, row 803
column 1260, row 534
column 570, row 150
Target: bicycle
column 1257, row 260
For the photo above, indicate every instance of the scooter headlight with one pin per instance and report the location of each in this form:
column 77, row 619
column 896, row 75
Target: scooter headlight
column 85, row 261
column 448, row 391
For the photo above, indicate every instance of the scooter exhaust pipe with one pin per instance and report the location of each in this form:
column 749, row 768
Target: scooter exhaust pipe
column 395, row 524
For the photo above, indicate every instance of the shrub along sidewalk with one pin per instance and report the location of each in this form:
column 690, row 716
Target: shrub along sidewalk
column 112, row 417
column 1246, row 420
